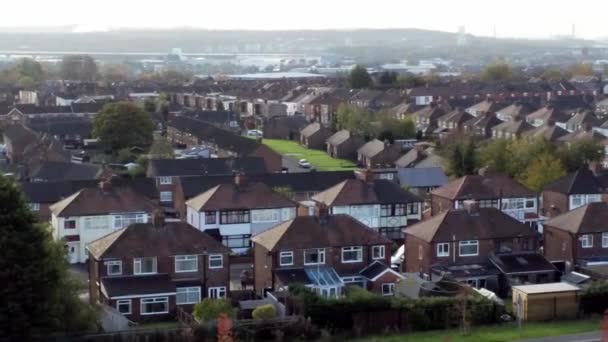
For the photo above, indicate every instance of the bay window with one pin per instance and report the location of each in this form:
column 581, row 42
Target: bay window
column 237, row 241
column 413, row 209
column 210, row 217
column 187, row 295
column 400, row 209
column 125, row 220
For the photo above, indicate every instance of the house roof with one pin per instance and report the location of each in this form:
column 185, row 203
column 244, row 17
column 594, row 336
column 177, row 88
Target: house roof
column 230, row 196
column 548, row 113
column 487, row 120
column 546, row 288
column 357, row 191
column 515, row 127
column 376, row 269
column 136, row 285
column 589, row 218
column 339, row 137
column 585, row 117
column 550, row 132
column 95, row 201
column 521, row 263
column 145, row 239
column 296, row 182
column 487, row 105
column 312, row 232
column 311, row 129
column 19, row 134
column 422, row 177
column 488, row 223
column 483, row 187
column 582, row 135
column 457, row 116
column 581, row 181
column 516, row 110
column 62, row 126
column 206, row 166
column 59, row 171
column 371, row 148
column 51, row 192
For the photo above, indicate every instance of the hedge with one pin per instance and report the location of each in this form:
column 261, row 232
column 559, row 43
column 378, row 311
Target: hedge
column 594, row 299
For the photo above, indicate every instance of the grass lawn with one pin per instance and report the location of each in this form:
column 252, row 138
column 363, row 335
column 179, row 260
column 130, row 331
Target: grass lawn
column 501, row 333
column 317, row 158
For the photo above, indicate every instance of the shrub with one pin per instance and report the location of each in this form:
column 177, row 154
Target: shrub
column 266, row 311
column 210, row 309
column 594, row 299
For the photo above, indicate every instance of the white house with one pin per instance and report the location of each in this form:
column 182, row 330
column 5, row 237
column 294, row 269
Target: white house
column 92, row 213
column 237, row 211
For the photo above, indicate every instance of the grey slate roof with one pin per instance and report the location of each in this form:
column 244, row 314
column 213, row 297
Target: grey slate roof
column 422, row 177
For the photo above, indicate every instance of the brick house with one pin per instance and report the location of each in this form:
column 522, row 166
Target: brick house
column 572, row 191
column 93, row 212
column 314, row 135
column 578, row 237
column 324, row 252
column 488, row 105
column 491, row 191
column 481, row 126
column 192, row 132
column 483, row 247
column 17, row 138
column 380, row 204
column 147, row 270
column 378, row 154
column 232, row 212
column 343, row 144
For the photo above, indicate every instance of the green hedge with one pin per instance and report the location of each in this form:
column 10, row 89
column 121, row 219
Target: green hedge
column 594, row 299
column 426, row 313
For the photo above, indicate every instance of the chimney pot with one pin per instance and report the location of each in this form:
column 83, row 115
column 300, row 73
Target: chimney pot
column 105, row 185
column 322, row 212
column 158, row 219
column 240, row 180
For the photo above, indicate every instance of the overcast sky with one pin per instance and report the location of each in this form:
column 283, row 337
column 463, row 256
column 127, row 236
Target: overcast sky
column 512, row 18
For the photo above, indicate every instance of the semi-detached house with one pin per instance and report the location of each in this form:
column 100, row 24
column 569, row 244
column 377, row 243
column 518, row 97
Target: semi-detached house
column 233, row 212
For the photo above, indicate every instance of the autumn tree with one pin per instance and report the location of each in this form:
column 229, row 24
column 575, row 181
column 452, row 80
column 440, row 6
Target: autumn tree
column 354, row 119
column 541, row 171
column 79, row 67
column 499, row 71
column 461, row 159
column 359, row 78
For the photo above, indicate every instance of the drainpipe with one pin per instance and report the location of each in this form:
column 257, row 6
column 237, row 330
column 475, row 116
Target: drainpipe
column 454, row 248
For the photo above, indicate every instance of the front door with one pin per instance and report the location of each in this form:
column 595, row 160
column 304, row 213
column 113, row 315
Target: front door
column 72, row 252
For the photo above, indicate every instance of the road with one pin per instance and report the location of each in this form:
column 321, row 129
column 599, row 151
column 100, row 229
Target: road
column 292, row 165
column 594, row 336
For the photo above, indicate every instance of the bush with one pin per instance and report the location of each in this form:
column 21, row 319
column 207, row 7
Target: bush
column 266, row 311
column 210, row 309
column 594, row 299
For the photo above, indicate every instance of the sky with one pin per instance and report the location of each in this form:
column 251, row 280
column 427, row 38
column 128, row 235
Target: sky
column 510, row 18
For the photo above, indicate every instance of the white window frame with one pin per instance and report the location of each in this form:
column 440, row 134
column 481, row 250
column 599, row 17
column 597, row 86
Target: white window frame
column 604, row 240
column 287, row 254
column 113, row 263
column 443, row 249
column 216, row 292
column 587, row 241
column 95, row 222
column 391, row 289
column 137, row 264
column 167, row 198
column 165, row 180
column 125, row 220
column 186, row 258
column 188, row 291
column 468, row 243
column 381, row 254
column 216, row 257
column 144, row 301
column 320, row 252
column 358, row 249
column 35, row 206
column 265, row 215
column 120, row 302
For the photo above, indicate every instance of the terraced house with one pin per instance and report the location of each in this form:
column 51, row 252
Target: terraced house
column 380, row 204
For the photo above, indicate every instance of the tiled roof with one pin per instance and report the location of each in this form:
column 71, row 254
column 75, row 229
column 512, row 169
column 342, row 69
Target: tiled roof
column 522, row 263
column 137, row 285
column 488, row 223
column 422, row 177
column 66, row 171
column 582, row 181
column 356, row 191
column 313, row 232
column 479, row 187
column 371, row 148
column 589, row 218
column 338, row 138
column 229, row 196
column 206, row 166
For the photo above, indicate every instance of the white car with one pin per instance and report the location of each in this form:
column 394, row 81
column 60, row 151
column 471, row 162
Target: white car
column 304, row 163
column 255, row 133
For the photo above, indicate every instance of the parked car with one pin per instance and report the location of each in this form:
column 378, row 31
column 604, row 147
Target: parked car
column 304, row 163
column 255, row 133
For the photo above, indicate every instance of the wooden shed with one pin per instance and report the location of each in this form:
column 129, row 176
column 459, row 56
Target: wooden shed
column 545, row 301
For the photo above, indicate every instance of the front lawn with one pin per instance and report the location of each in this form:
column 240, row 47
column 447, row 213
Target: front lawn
column 502, row 333
column 317, row 158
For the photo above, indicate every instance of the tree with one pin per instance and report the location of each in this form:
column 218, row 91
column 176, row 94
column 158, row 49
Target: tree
column 497, row 72
column 411, row 81
column 38, row 295
column 583, row 69
column 580, row 154
column 354, row 119
column 359, row 78
column 79, row 67
column 150, row 106
column 266, row 311
column 388, row 78
column 541, row 171
column 30, row 68
column 26, row 83
column 496, row 156
column 210, row 309
column 461, row 159
column 115, row 73
column 122, row 125
column 161, row 149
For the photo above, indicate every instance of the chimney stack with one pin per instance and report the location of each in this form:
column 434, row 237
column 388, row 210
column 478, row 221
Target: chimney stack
column 158, row 218
column 595, row 167
column 240, row 180
column 366, row 175
column 471, row 207
column 322, row 212
column 587, row 126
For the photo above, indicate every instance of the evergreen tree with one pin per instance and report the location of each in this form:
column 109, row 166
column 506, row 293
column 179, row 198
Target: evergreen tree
column 37, row 293
column 359, row 78
column 123, row 125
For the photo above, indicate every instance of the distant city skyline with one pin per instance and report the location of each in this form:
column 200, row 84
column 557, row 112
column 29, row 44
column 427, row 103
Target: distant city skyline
column 514, row 18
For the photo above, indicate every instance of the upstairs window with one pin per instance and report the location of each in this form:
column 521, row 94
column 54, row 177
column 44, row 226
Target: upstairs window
column 400, row 209
column 166, row 196
column 216, row 261
column 210, row 217
column 165, row 180
column 314, row 256
column 186, row 263
column 604, row 240
column 587, row 241
column 413, row 209
column 286, row 259
column 386, row 210
column 69, row 224
column 443, row 249
column 145, row 265
column 468, row 248
column 35, row 206
column 352, row 254
column 113, row 267
column 234, row 217
column 377, row 252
